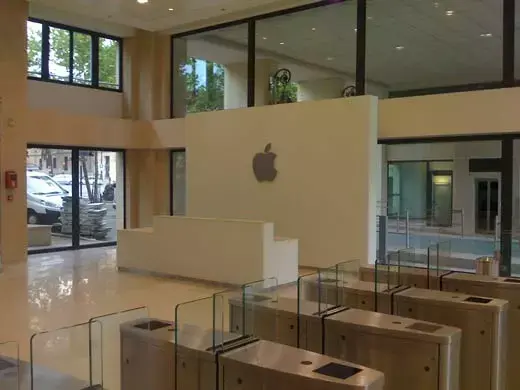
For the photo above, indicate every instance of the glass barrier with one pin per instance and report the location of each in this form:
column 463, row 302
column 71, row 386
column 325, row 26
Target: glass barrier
column 193, row 324
column 60, row 359
column 308, row 293
column 9, row 366
column 408, row 258
column 105, row 345
column 386, row 277
column 259, row 302
column 230, row 317
column 444, row 260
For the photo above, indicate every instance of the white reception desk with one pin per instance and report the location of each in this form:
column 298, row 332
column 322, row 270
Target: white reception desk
column 219, row 250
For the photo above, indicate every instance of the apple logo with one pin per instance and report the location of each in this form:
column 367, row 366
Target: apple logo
column 263, row 165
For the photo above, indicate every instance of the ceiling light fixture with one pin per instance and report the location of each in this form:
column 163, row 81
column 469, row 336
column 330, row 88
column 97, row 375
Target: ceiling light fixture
column 355, row 30
column 330, row 58
column 264, row 38
column 486, row 35
column 313, row 29
column 282, row 43
column 170, row 9
column 142, row 1
column 369, row 18
column 399, row 47
column 436, row 4
column 449, row 12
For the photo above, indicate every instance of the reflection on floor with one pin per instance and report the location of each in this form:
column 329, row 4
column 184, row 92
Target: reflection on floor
column 63, row 289
column 66, row 288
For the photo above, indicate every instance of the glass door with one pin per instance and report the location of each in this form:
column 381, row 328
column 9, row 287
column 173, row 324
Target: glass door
column 442, row 198
column 49, row 190
column 486, row 205
column 75, row 197
column 101, row 196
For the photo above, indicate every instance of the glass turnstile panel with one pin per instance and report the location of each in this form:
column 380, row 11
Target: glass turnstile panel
column 60, row 359
column 105, row 346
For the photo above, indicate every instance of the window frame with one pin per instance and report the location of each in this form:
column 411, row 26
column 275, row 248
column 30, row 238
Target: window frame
column 95, row 38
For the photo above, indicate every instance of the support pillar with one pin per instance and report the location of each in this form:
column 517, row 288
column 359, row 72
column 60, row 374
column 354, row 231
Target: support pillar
column 13, row 105
column 235, row 83
column 506, row 209
column 147, row 80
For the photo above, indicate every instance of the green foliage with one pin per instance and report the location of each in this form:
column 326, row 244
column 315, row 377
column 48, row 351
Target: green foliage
column 203, row 97
column 59, row 41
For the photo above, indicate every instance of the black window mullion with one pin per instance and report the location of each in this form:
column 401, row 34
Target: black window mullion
column 45, row 51
column 508, row 43
column 361, row 47
column 251, row 62
column 120, row 74
column 75, row 169
column 94, row 66
column 71, row 57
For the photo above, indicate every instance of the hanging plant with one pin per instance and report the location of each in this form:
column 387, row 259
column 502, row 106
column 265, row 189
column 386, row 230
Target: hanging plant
column 279, row 84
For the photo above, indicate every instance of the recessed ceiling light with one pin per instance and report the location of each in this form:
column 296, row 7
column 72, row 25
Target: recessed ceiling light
column 486, row 35
column 282, row 43
column 142, row 1
column 170, row 9
column 369, row 18
column 313, row 29
column 355, row 30
column 330, row 58
column 436, row 4
column 264, row 38
column 399, row 47
column 449, row 12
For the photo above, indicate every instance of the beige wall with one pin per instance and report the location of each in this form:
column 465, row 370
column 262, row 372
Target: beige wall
column 75, row 100
column 482, row 112
column 321, row 194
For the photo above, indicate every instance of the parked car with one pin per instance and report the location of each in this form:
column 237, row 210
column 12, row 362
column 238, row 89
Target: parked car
column 44, row 198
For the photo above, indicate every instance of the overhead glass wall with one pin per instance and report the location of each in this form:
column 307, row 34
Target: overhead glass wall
column 452, row 195
column 416, row 46
column 210, row 71
column 306, row 55
column 324, row 49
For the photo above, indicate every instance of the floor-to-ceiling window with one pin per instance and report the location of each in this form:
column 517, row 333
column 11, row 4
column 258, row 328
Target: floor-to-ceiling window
column 75, row 197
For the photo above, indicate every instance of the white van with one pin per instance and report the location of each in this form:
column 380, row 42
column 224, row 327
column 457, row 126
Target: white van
column 44, row 198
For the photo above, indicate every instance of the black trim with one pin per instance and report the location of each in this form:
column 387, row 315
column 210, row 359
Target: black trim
column 442, row 277
column 75, row 198
column 449, row 89
column 508, row 43
column 450, row 138
column 506, row 209
column 361, row 43
column 95, row 37
column 251, row 62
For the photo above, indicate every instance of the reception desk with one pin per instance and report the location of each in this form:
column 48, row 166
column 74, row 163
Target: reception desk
column 219, row 250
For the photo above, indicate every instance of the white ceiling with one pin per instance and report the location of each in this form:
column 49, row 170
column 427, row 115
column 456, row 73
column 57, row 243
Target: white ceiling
column 156, row 14
column 438, row 49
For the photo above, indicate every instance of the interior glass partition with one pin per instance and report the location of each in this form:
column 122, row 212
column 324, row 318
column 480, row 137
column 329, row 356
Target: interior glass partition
column 423, row 47
column 10, row 370
column 452, row 204
column 178, row 182
column 210, row 71
column 298, row 58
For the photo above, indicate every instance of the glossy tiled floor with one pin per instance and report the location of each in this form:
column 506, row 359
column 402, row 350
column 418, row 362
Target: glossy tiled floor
column 66, row 288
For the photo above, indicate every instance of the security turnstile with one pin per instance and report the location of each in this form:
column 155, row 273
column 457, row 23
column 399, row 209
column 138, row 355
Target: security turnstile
column 497, row 287
column 487, row 286
column 412, row 354
column 409, row 276
column 482, row 320
column 152, row 360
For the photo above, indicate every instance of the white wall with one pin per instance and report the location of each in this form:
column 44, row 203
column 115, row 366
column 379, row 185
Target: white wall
column 75, row 100
column 324, row 194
